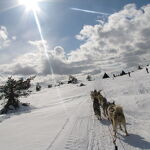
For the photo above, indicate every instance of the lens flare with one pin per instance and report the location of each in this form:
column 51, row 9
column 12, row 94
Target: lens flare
column 30, row 4
column 48, row 59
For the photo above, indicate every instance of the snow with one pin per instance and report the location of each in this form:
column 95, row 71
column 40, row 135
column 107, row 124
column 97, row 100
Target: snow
column 62, row 118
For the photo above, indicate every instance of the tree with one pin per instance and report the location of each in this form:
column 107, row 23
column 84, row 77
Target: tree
column 105, row 76
column 12, row 91
column 123, row 73
column 72, row 79
column 89, row 78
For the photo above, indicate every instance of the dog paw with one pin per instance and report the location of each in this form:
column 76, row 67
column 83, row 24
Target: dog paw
column 100, row 119
column 127, row 134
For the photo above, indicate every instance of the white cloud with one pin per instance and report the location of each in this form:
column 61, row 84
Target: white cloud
column 40, row 63
column 40, row 45
column 3, row 33
column 14, row 38
column 122, row 41
column 4, row 40
column 59, row 51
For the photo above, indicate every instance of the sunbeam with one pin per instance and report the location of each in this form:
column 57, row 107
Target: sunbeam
column 48, row 59
column 33, row 7
column 30, row 4
column 43, row 43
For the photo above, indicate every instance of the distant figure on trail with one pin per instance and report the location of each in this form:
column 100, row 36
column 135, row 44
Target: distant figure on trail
column 38, row 87
column 96, row 107
column 147, row 70
column 139, row 67
column 129, row 74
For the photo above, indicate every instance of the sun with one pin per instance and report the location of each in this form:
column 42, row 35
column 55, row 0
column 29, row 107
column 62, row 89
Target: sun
column 30, row 4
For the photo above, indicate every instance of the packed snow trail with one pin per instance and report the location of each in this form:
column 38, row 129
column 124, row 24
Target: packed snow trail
column 67, row 121
column 83, row 131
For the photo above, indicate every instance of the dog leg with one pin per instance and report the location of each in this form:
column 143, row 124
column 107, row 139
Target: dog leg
column 111, row 121
column 120, row 127
column 125, row 129
column 100, row 117
column 104, row 112
column 114, row 128
column 100, row 114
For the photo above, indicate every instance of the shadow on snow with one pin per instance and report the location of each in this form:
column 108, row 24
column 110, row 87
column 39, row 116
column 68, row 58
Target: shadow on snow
column 20, row 111
column 137, row 141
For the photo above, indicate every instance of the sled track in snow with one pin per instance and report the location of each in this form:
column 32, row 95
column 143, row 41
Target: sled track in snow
column 62, row 101
column 88, row 133
column 79, row 137
column 101, row 139
column 63, row 127
column 57, row 135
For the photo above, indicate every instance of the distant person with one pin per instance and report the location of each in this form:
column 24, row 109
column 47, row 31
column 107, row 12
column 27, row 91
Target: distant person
column 147, row 70
column 114, row 75
column 129, row 74
column 38, row 87
column 139, row 67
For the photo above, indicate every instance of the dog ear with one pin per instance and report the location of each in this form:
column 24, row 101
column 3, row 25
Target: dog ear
column 114, row 102
column 100, row 91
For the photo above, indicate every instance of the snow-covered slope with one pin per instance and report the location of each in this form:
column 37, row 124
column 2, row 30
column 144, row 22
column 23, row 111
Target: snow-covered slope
column 62, row 117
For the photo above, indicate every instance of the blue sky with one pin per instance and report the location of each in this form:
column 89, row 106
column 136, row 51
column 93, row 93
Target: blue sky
column 60, row 24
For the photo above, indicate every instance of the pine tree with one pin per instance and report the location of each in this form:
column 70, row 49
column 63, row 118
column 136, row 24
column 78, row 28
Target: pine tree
column 72, row 79
column 12, row 91
column 89, row 78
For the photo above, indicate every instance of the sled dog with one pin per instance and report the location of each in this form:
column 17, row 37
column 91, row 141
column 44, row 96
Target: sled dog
column 117, row 118
column 96, row 108
column 93, row 94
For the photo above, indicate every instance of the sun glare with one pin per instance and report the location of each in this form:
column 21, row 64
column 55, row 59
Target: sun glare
column 30, row 4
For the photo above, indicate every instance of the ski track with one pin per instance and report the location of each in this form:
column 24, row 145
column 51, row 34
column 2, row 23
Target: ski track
column 88, row 133
column 33, row 109
column 81, row 130
column 79, row 136
column 65, row 124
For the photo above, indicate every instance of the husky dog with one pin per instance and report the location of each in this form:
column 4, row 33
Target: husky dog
column 93, row 94
column 100, row 98
column 96, row 107
column 110, row 110
column 116, row 116
column 96, row 104
column 103, row 104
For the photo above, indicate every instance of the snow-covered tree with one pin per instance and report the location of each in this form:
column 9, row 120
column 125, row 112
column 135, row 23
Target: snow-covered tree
column 12, row 91
column 72, row 79
column 89, row 78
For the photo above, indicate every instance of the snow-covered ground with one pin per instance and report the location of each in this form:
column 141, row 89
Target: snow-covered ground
column 62, row 117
